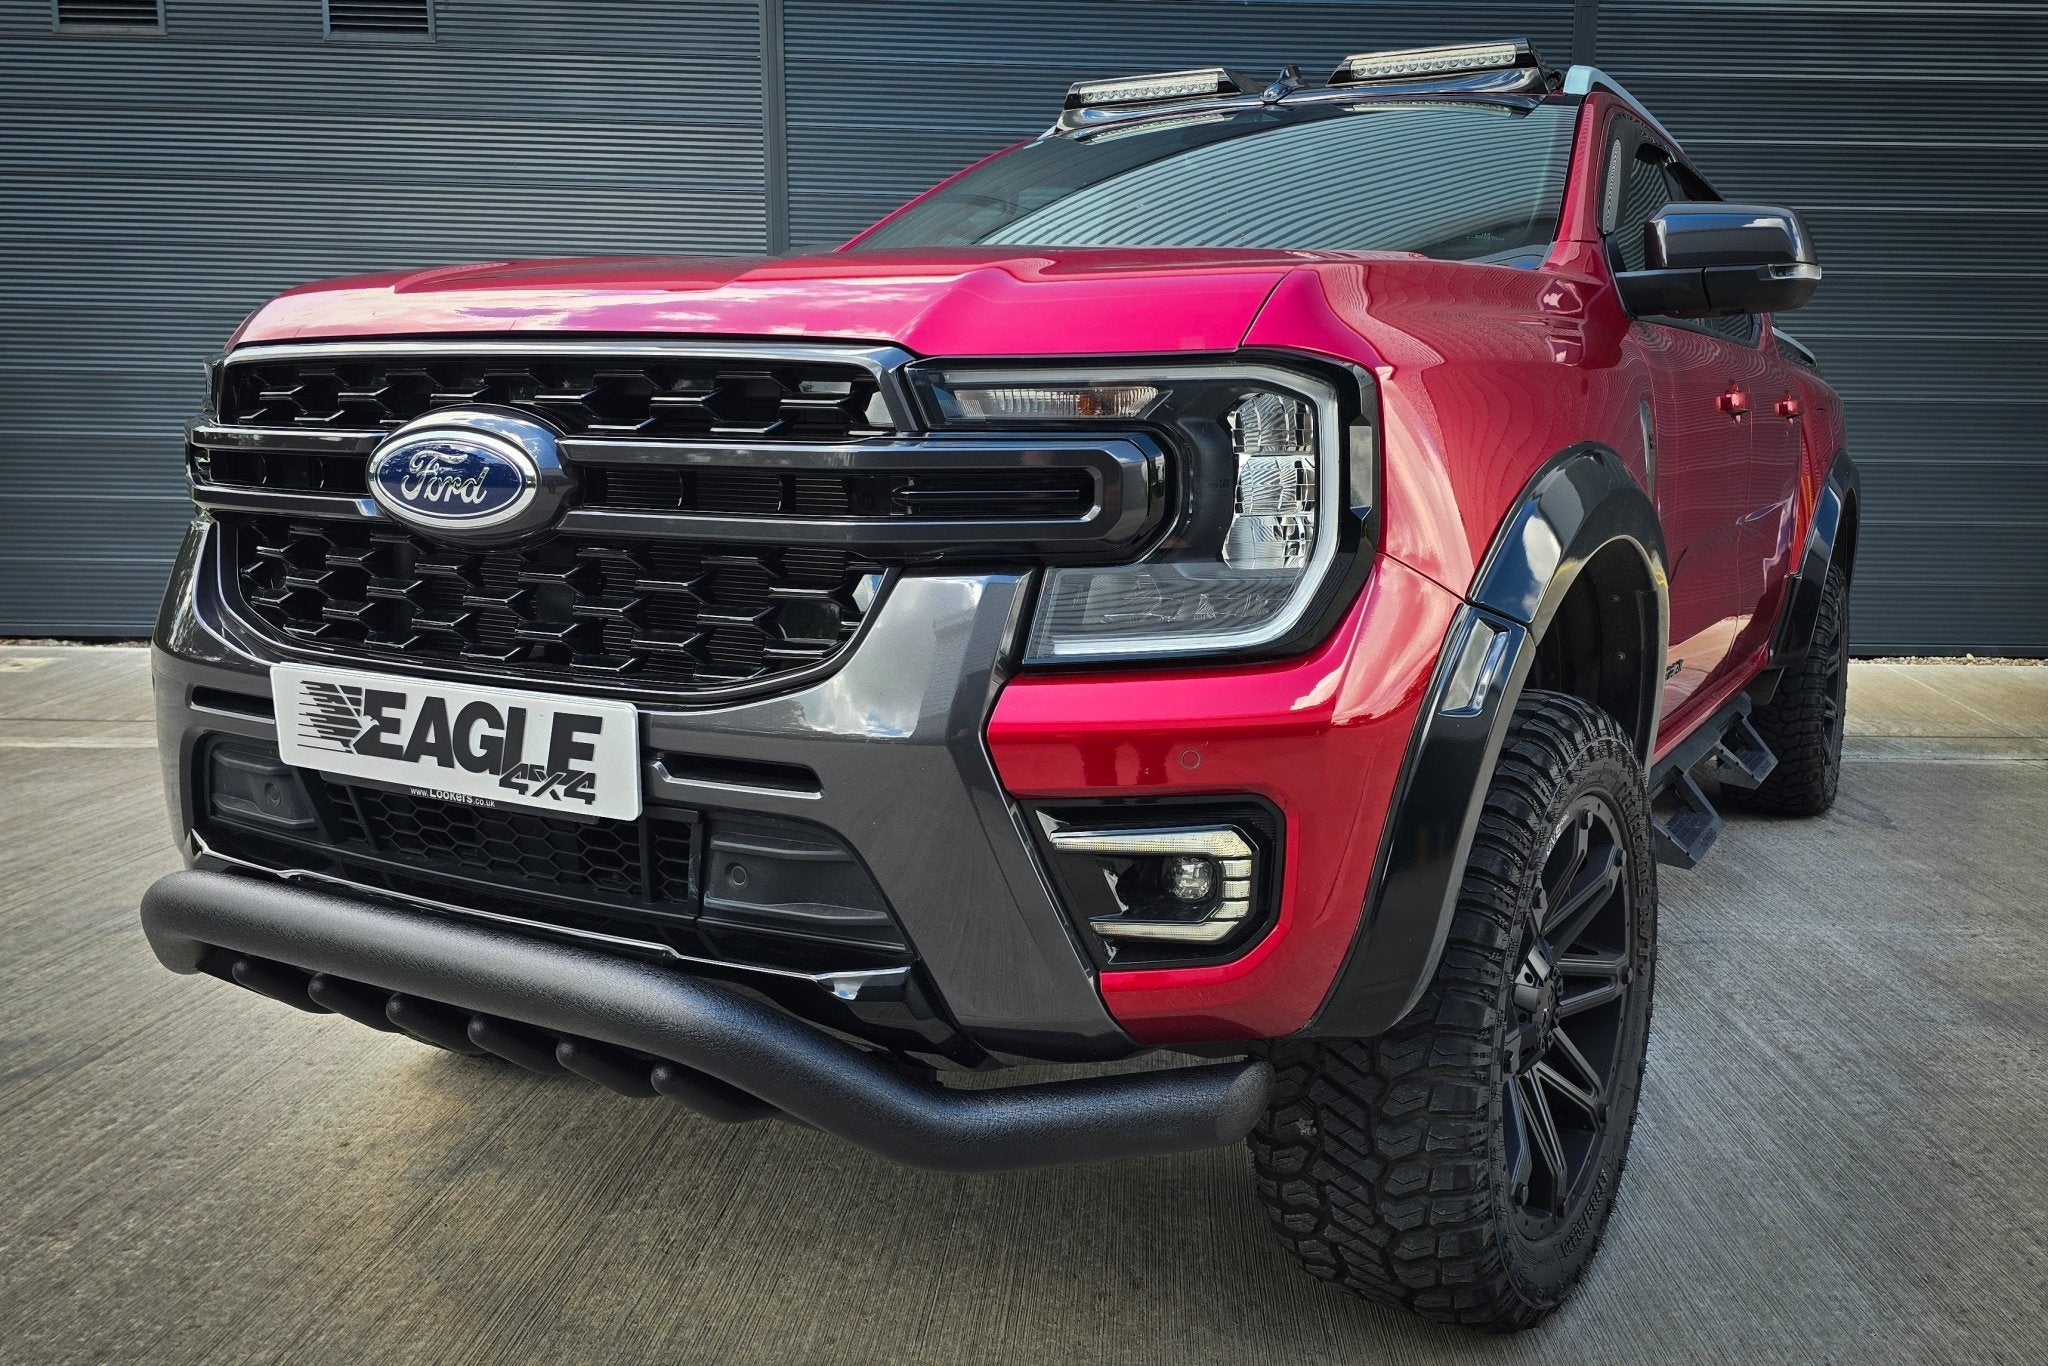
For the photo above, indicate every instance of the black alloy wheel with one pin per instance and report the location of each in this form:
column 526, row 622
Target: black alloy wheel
column 1570, row 1017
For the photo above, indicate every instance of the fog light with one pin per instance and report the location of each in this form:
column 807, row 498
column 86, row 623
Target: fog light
column 1188, row 884
column 1191, row 878
column 251, row 785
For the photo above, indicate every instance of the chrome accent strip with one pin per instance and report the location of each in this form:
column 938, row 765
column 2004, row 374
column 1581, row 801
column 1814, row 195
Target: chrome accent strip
column 1582, row 80
column 845, row 985
column 337, row 507
column 1210, row 931
column 215, row 436
column 883, row 362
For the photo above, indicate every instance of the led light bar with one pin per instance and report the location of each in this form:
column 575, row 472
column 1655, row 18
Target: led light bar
column 1422, row 63
column 1165, row 85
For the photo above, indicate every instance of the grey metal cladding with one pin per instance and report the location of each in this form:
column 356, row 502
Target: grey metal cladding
column 158, row 187
column 1920, row 182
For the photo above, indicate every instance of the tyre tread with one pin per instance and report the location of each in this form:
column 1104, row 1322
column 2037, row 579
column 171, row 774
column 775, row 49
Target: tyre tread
column 1374, row 1161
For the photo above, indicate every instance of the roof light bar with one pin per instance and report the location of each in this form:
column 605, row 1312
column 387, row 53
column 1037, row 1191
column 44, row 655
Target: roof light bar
column 1199, row 83
column 1423, row 63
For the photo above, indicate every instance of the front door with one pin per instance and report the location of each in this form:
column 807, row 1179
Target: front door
column 1701, row 439
column 1708, row 378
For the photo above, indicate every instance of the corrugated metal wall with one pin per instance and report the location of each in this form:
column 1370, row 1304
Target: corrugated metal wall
column 158, row 187
column 1911, row 136
column 154, row 189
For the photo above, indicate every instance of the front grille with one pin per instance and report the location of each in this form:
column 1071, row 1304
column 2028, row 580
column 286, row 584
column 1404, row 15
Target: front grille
column 671, row 397
column 721, row 522
column 710, row 491
column 667, row 614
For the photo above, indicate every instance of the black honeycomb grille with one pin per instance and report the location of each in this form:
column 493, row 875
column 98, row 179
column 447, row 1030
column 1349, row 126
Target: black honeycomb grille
column 605, row 857
column 682, row 398
column 663, row 614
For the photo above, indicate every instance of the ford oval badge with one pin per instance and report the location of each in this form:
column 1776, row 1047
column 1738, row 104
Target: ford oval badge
column 460, row 474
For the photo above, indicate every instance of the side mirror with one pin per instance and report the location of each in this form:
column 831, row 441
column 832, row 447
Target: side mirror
column 1702, row 259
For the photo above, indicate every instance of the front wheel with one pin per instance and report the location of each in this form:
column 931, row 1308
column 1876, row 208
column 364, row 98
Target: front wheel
column 1463, row 1164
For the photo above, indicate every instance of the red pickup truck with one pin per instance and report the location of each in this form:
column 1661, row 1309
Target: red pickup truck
column 1260, row 574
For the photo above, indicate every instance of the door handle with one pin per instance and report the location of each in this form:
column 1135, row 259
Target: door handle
column 1790, row 408
column 1735, row 402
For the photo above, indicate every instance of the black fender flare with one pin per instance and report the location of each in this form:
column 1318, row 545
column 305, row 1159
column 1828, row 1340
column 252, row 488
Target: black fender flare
column 1579, row 503
column 1839, row 504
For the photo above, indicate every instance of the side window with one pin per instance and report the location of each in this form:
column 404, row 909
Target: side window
column 1641, row 179
column 1639, row 183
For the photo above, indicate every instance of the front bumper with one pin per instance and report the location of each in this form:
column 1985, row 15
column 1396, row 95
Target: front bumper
column 644, row 1031
column 894, row 737
column 907, row 739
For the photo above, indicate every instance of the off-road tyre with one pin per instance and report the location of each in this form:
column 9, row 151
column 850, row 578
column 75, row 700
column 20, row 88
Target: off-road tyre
column 1388, row 1166
column 1802, row 723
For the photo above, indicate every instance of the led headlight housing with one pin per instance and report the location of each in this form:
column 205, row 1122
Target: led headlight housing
column 1263, row 463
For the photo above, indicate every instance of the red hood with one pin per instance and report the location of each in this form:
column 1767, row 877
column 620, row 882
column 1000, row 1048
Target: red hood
column 962, row 302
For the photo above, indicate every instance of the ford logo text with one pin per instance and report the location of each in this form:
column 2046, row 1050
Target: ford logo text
column 458, row 476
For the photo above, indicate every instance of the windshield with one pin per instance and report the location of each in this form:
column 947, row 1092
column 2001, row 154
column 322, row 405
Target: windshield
column 1458, row 181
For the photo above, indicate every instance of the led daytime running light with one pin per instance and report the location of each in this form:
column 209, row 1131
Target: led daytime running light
column 1045, row 403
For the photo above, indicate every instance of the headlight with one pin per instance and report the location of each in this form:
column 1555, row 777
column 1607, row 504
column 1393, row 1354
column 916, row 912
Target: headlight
column 1258, row 497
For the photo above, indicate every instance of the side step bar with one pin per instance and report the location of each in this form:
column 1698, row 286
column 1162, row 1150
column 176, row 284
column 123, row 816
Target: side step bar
column 1683, row 821
column 644, row 1029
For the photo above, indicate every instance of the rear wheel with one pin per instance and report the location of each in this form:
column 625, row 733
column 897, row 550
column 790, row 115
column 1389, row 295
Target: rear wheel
column 1463, row 1164
column 1803, row 721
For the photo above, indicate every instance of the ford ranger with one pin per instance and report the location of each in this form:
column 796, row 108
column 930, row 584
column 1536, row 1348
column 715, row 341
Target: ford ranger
column 1258, row 576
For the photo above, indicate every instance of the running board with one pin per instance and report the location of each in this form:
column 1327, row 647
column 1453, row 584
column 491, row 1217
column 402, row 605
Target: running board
column 1683, row 821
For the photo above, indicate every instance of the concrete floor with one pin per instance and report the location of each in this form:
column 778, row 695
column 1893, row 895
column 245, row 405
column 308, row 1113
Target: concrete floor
column 1843, row 1151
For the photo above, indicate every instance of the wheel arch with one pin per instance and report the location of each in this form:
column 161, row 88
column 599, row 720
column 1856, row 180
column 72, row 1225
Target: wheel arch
column 1581, row 562
column 1581, row 550
column 1831, row 539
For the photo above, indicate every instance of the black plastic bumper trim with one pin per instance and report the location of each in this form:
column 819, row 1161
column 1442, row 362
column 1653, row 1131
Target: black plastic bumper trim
column 1430, row 829
column 800, row 1070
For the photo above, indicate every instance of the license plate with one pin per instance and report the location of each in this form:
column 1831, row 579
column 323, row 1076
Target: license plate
column 484, row 746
